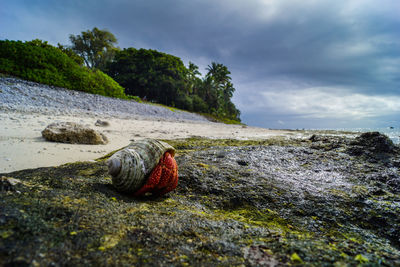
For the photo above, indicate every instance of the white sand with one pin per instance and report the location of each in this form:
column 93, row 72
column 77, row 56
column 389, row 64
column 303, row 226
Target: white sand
column 23, row 147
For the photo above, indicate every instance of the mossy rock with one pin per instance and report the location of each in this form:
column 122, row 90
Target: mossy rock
column 291, row 204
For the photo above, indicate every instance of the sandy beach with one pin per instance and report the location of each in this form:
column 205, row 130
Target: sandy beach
column 22, row 145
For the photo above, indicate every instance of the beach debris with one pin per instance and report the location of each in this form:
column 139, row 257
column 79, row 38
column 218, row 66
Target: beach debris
column 73, row 133
column 144, row 167
column 102, row 123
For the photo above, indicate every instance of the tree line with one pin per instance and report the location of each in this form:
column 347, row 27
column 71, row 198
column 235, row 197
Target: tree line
column 95, row 65
column 157, row 76
column 41, row 62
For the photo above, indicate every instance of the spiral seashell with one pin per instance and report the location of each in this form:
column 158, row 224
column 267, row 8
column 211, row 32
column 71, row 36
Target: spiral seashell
column 131, row 167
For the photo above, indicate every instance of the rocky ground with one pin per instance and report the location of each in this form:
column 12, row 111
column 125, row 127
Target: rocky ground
column 319, row 201
column 30, row 97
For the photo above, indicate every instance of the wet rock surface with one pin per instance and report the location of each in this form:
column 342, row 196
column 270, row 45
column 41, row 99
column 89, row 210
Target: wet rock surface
column 253, row 203
column 372, row 144
column 73, row 133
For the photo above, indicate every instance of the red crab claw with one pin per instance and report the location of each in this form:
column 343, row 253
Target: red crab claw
column 163, row 178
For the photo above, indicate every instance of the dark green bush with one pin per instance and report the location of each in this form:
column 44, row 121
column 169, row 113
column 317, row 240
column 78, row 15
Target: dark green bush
column 184, row 102
column 40, row 62
column 199, row 105
column 149, row 74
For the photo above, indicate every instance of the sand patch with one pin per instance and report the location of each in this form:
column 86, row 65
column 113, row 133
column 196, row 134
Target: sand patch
column 22, row 145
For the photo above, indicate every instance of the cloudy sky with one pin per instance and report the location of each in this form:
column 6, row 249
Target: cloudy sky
column 294, row 63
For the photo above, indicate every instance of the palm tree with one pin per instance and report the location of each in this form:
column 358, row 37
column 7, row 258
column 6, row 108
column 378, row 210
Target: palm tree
column 219, row 73
column 192, row 78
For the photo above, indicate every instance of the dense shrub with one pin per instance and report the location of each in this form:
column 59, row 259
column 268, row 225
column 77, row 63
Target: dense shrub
column 149, row 74
column 40, row 62
column 184, row 102
column 199, row 105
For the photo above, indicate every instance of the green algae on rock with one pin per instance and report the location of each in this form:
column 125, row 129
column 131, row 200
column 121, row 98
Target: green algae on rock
column 305, row 202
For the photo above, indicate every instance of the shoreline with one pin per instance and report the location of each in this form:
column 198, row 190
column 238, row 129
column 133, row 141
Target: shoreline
column 26, row 108
column 23, row 146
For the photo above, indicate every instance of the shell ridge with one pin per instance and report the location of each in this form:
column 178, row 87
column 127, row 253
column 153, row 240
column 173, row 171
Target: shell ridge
column 131, row 162
column 143, row 166
column 116, row 178
column 119, row 180
column 135, row 171
column 129, row 159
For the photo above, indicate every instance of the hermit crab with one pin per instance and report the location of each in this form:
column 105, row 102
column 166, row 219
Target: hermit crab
column 145, row 166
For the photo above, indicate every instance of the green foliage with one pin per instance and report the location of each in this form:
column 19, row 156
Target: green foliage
column 149, row 74
column 40, row 62
column 213, row 93
column 215, row 118
column 135, row 98
column 219, row 91
column 184, row 101
column 96, row 47
column 199, row 105
column 163, row 78
column 69, row 52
